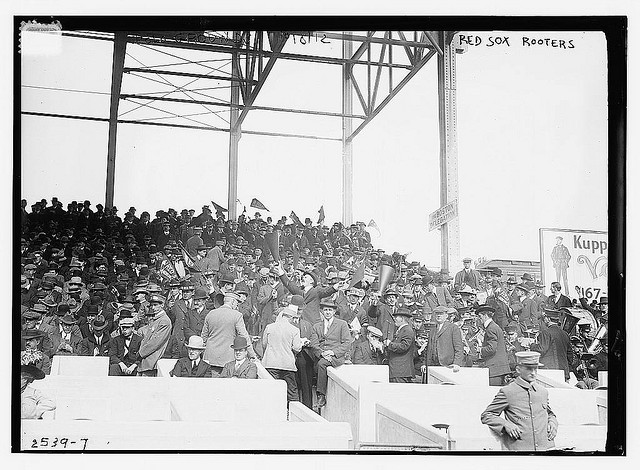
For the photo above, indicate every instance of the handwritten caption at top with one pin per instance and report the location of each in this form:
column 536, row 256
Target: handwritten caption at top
column 507, row 41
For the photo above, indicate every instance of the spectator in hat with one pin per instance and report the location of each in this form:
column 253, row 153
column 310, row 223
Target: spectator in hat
column 400, row 349
column 467, row 277
column 371, row 350
column 384, row 312
column 493, row 350
column 31, row 350
column 554, row 344
column 67, row 339
column 310, row 292
column 194, row 318
column 525, row 308
column 557, row 299
column 123, row 356
column 269, row 297
column 528, row 424
column 155, row 337
column 281, row 342
column 33, row 402
column 216, row 256
column 601, row 305
column 221, row 326
column 445, row 346
column 98, row 343
column 330, row 342
column 194, row 241
column 193, row 365
column 241, row 367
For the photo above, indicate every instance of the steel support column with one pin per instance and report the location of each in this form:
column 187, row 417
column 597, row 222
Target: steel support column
column 119, row 50
column 450, row 231
column 234, row 134
column 347, row 128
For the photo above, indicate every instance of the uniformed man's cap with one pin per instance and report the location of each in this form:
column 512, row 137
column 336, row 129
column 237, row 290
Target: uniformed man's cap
column 374, row 331
column 528, row 358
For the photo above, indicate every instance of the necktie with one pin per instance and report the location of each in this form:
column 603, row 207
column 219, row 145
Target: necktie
column 126, row 346
column 194, row 365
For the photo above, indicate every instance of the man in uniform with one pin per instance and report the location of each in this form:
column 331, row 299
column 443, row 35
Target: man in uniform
column 221, row 326
column 155, row 337
column 528, row 423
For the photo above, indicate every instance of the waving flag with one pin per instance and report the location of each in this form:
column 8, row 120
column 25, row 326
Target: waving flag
column 295, row 218
column 321, row 216
column 188, row 260
column 358, row 276
column 258, row 205
column 218, row 207
column 374, row 225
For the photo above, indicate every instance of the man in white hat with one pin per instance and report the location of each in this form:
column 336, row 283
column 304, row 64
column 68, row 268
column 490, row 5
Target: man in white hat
column 155, row 337
column 221, row 326
column 193, row 365
column 280, row 342
column 371, row 351
column 528, row 423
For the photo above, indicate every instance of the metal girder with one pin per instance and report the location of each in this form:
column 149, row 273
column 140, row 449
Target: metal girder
column 450, row 231
column 125, row 96
column 234, row 136
column 375, row 111
column 185, row 74
column 347, row 145
column 277, row 42
column 119, row 50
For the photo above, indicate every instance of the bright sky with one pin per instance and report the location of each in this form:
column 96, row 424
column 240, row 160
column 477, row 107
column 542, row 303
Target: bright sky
column 532, row 145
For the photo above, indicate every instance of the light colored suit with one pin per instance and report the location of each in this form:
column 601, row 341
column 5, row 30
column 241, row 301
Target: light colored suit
column 154, row 341
column 220, row 328
column 280, row 340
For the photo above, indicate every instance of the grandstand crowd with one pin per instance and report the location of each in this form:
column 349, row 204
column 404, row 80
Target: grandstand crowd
column 220, row 295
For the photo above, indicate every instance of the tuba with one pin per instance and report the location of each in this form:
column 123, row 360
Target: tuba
column 596, row 345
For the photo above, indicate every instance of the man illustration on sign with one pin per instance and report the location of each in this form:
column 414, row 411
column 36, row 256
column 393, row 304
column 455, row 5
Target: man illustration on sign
column 561, row 256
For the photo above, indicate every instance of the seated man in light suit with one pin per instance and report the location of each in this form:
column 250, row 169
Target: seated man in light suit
column 330, row 341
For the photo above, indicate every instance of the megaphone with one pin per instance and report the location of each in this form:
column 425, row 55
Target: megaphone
column 273, row 243
column 384, row 277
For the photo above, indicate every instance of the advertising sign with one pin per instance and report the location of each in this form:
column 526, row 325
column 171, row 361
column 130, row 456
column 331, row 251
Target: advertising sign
column 575, row 258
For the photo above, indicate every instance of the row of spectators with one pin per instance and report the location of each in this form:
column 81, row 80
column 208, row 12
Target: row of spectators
column 211, row 293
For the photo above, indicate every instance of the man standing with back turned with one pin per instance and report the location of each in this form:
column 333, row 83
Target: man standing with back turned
column 528, row 423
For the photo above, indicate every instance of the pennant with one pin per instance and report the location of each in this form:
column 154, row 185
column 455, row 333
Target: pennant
column 188, row 260
column 218, row 207
column 358, row 276
column 295, row 218
column 321, row 216
column 258, row 205
column 374, row 225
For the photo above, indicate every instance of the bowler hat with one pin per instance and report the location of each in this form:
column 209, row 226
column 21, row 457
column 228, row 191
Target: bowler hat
column 92, row 309
column 528, row 358
column 200, row 293
column 313, row 276
column 487, row 309
column 226, row 279
column 240, row 342
column 523, row 287
column 195, row 342
column 527, row 277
